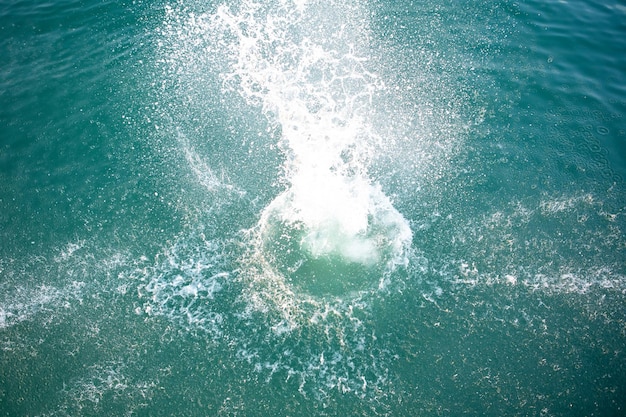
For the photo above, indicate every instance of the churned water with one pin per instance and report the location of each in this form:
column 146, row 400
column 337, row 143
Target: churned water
column 312, row 208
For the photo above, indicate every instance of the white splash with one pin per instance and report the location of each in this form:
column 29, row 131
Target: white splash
column 308, row 71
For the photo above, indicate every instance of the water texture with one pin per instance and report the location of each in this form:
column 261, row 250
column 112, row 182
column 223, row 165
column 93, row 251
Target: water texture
column 312, row 208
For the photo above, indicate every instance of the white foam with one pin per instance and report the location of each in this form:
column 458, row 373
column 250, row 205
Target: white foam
column 556, row 244
column 183, row 283
column 203, row 172
column 356, row 222
column 85, row 395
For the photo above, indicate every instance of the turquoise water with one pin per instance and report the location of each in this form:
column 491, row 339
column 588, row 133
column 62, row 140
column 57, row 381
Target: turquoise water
column 296, row 208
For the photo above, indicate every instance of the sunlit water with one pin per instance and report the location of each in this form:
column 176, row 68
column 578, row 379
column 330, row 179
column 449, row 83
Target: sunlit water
column 299, row 208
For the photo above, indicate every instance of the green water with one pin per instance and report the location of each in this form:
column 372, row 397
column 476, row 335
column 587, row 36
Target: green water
column 302, row 208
